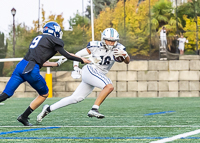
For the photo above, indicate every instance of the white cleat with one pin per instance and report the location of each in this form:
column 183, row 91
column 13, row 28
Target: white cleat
column 95, row 113
column 43, row 113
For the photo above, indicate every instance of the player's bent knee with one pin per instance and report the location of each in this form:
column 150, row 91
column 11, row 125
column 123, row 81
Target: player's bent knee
column 45, row 95
column 109, row 87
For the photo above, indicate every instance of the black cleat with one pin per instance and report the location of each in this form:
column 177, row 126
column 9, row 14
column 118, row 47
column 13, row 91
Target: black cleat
column 24, row 121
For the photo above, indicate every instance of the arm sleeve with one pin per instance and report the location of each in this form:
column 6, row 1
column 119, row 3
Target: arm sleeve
column 68, row 56
column 81, row 53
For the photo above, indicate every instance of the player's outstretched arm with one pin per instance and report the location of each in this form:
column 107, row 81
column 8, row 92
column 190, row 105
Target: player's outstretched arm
column 50, row 64
column 71, row 57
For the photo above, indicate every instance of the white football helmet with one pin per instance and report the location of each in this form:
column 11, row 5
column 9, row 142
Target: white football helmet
column 110, row 34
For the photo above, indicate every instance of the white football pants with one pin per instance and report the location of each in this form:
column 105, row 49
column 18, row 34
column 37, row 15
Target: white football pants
column 91, row 78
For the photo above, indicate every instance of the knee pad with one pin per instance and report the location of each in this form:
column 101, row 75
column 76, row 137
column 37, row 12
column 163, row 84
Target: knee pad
column 79, row 99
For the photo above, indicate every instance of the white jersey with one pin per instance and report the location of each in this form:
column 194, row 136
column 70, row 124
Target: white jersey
column 107, row 58
column 182, row 43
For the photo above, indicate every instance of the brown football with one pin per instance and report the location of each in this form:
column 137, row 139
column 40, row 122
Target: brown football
column 119, row 59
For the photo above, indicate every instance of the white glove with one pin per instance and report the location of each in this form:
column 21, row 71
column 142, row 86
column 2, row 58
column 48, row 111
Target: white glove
column 118, row 53
column 78, row 70
column 61, row 61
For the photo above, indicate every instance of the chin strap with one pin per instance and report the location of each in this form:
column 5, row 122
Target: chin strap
column 3, row 97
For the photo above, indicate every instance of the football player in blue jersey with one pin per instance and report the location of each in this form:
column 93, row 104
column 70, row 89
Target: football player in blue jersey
column 41, row 49
column 103, row 55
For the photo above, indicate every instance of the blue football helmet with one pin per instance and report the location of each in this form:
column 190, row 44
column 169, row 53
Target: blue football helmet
column 53, row 29
column 110, row 34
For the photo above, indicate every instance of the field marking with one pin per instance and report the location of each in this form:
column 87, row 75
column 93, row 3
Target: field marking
column 176, row 126
column 164, row 112
column 28, row 130
column 177, row 137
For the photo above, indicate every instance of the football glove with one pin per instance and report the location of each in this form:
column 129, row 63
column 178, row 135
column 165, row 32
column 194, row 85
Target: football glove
column 118, row 53
column 78, row 70
column 61, row 61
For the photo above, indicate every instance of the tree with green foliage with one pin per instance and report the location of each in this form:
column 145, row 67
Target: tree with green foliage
column 3, row 50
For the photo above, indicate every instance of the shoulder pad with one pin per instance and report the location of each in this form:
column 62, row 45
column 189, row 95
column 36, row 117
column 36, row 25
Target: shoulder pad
column 120, row 46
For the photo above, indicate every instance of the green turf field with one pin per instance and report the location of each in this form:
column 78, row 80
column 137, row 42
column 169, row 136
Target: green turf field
column 127, row 120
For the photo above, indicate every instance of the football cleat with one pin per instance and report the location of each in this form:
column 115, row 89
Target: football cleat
column 95, row 113
column 43, row 113
column 24, row 121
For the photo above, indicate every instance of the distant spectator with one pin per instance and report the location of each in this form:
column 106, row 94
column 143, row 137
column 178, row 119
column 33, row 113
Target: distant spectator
column 182, row 42
column 163, row 37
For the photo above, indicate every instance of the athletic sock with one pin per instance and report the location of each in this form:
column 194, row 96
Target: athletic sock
column 27, row 112
column 48, row 109
column 3, row 97
column 95, row 107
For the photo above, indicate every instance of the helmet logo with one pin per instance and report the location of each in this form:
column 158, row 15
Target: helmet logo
column 57, row 28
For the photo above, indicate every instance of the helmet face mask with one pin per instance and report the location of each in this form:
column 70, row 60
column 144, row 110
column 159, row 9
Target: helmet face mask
column 53, row 28
column 110, row 34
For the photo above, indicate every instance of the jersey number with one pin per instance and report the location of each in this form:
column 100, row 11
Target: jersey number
column 35, row 41
column 105, row 61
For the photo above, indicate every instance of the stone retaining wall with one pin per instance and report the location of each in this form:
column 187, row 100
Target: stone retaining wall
column 178, row 78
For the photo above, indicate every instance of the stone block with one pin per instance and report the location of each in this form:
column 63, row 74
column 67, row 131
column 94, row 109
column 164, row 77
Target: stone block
column 142, row 86
column 60, row 88
column 112, row 94
column 132, row 86
column 71, row 86
column 2, row 86
column 183, row 85
column 175, row 65
column 152, row 86
column 127, row 94
column 168, row 75
column 173, row 86
column 138, row 65
column 112, row 75
column 119, row 67
column 92, row 95
column 61, row 94
column 189, row 75
column 163, row 86
column 4, row 79
column 97, row 89
column 65, row 76
column 147, row 94
column 126, row 75
column 121, row 86
column 189, row 94
column 194, row 65
column 22, row 94
column 147, row 75
column 194, row 85
column 158, row 66
column 168, row 94
column 189, row 57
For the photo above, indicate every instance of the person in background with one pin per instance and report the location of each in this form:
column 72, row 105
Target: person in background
column 163, row 38
column 41, row 49
column 182, row 40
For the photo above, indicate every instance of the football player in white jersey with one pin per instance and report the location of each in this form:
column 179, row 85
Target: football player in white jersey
column 103, row 55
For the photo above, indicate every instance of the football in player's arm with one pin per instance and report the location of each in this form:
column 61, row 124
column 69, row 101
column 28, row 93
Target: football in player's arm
column 41, row 49
column 102, row 55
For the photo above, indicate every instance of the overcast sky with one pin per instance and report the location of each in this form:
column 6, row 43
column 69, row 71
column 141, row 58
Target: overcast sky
column 27, row 11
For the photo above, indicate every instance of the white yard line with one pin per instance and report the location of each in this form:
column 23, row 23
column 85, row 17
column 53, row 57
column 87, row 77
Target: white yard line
column 177, row 137
column 176, row 126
